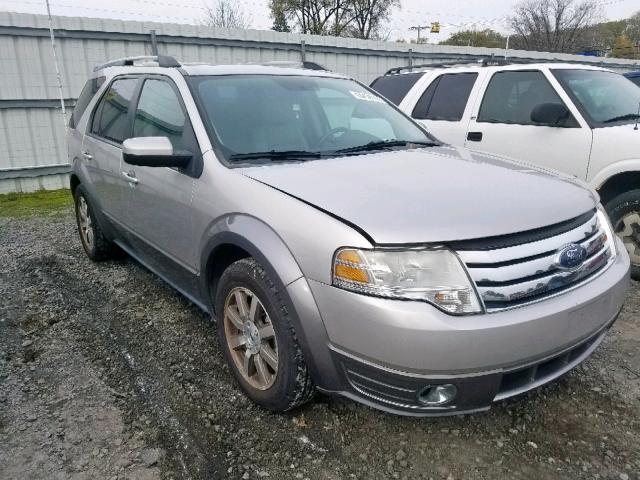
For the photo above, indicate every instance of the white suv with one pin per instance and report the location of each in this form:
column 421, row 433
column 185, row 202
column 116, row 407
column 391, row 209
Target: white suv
column 578, row 119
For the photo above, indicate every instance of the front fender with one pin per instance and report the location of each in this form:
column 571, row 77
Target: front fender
column 255, row 237
column 270, row 250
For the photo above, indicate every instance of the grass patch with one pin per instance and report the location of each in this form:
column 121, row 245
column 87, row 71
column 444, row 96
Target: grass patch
column 42, row 202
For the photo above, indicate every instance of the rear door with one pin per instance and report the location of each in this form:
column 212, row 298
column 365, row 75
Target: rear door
column 445, row 104
column 158, row 201
column 102, row 145
column 501, row 123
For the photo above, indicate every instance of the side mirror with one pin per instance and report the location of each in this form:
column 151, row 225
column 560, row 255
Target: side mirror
column 153, row 152
column 550, row 114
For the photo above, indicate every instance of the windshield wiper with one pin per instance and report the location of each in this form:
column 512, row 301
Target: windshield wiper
column 628, row 116
column 384, row 144
column 282, row 155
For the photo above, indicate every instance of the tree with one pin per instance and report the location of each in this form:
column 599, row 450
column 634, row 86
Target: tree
column 226, row 14
column 368, row 17
column 600, row 37
column 623, row 48
column 485, row 38
column 354, row 18
column 280, row 23
column 633, row 28
column 319, row 17
column 553, row 25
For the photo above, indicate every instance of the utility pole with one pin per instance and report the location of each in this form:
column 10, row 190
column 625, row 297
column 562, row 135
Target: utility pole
column 55, row 61
column 419, row 28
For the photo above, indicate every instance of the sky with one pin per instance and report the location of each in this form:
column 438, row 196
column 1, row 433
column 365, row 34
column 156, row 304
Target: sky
column 453, row 15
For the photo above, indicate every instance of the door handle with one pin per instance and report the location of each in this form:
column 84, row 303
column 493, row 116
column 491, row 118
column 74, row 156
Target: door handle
column 87, row 155
column 129, row 177
column 474, row 136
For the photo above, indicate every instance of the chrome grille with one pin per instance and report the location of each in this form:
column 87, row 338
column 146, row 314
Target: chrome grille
column 516, row 269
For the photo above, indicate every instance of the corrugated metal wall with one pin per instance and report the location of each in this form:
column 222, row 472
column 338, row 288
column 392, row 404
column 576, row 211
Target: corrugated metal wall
column 32, row 148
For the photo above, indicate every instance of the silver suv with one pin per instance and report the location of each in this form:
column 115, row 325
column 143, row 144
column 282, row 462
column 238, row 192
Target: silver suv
column 340, row 247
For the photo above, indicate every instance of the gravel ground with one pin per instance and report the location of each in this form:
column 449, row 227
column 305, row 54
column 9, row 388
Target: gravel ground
column 105, row 372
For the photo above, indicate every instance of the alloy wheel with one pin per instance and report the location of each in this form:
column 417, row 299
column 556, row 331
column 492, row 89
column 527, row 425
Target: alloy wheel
column 250, row 337
column 628, row 229
column 85, row 223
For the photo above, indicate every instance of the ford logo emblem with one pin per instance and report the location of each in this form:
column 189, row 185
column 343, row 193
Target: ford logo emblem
column 570, row 256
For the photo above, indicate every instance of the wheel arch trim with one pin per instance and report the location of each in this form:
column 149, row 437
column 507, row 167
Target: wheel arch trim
column 607, row 173
column 254, row 237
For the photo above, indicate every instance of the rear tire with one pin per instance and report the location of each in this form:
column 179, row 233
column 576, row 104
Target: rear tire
column 95, row 244
column 624, row 212
column 258, row 339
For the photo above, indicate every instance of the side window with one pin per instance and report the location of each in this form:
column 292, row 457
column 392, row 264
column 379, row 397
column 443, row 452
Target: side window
column 512, row 96
column 421, row 108
column 159, row 113
column 111, row 118
column 88, row 91
column 446, row 98
column 396, row 87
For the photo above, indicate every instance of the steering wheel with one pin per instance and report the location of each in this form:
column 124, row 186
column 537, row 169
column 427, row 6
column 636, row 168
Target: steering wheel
column 332, row 133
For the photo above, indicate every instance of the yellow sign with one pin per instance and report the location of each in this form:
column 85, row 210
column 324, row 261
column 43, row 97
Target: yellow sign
column 435, row 27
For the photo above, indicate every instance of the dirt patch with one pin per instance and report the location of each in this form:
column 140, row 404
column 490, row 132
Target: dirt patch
column 105, row 372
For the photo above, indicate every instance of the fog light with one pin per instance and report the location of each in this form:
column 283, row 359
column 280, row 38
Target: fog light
column 437, row 395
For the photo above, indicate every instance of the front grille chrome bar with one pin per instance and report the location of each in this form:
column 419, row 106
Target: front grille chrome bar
column 528, row 271
column 525, row 250
column 540, row 285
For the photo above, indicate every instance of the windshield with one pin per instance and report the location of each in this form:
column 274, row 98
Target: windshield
column 606, row 98
column 294, row 116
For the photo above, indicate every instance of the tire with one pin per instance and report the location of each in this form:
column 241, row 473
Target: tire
column 97, row 247
column 268, row 335
column 624, row 212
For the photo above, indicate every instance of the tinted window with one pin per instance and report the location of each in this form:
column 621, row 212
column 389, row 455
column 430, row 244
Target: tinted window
column 395, row 87
column 420, row 110
column 159, row 113
column 111, row 119
column 446, row 98
column 89, row 90
column 512, row 96
column 635, row 80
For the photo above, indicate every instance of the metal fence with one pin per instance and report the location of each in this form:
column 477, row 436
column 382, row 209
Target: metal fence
column 32, row 145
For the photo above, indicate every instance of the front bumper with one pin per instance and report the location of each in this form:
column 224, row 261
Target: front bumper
column 384, row 352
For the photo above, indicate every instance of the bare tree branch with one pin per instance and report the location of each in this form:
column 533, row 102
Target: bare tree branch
column 226, row 14
column 553, row 25
column 355, row 18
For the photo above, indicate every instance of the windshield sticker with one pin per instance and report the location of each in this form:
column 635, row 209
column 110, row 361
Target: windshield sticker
column 367, row 97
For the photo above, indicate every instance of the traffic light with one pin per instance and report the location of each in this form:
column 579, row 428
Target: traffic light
column 435, row 27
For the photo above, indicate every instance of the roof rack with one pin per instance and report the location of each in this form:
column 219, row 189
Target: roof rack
column 293, row 64
column 486, row 62
column 165, row 61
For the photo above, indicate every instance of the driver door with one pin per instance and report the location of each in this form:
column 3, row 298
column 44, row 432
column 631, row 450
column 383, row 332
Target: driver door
column 501, row 124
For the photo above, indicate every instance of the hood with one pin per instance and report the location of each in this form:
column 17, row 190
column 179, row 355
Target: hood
column 435, row 194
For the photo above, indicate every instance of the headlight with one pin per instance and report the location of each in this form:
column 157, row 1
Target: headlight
column 435, row 276
column 605, row 224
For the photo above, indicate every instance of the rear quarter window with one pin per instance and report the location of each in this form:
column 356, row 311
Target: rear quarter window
column 446, row 97
column 396, row 87
column 88, row 91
